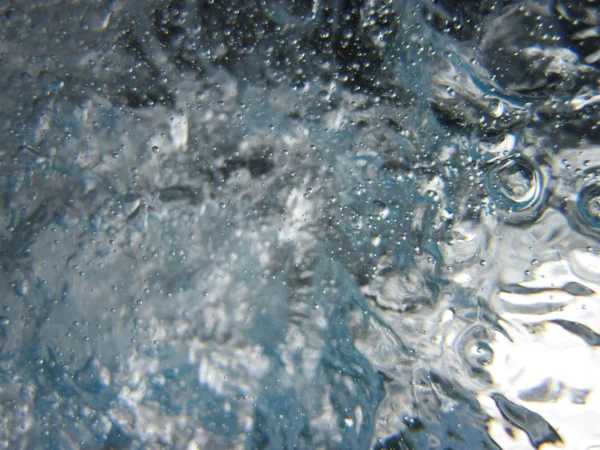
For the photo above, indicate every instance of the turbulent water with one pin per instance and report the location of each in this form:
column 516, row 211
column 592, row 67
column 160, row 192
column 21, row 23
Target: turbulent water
column 296, row 224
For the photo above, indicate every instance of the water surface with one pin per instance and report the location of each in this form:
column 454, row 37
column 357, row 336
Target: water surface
column 328, row 224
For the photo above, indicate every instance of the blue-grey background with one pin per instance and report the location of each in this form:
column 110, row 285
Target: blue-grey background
column 295, row 224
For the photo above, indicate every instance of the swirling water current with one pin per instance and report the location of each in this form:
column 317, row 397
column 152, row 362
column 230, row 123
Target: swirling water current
column 296, row 224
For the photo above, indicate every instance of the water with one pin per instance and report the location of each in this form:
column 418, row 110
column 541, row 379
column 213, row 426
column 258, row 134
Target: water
column 325, row 224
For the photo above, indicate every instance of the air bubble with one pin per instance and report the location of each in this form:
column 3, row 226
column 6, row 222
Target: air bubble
column 588, row 205
column 584, row 210
column 517, row 185
column 496, row 107
column 22, row 287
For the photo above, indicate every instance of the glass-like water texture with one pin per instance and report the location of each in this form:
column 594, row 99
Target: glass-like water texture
column 299, row 224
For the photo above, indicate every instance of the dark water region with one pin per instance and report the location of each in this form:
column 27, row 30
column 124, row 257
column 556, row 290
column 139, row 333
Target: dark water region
column 296, row 224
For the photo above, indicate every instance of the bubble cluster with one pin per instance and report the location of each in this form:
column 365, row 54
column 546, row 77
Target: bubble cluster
column 298, row 224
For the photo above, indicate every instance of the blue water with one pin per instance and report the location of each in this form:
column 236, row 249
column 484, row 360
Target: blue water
column 328, row 224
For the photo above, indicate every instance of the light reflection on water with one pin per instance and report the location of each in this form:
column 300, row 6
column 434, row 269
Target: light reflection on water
column 327, row 224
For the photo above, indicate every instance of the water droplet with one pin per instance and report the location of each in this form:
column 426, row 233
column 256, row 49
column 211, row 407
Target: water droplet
column 222, row 205
column 155, row 149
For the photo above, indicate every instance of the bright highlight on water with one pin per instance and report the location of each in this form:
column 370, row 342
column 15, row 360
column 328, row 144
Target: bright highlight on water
column 300, row 224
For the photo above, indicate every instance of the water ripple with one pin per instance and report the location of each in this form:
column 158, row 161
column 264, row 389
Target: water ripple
column 326, row 224
column 518, row 186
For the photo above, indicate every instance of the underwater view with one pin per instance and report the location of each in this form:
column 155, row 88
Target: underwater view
column 300, row 224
